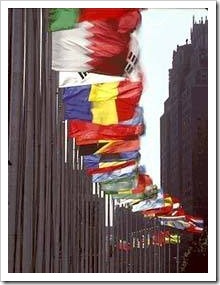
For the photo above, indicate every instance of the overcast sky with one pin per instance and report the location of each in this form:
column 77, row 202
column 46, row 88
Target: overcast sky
column 160, row 32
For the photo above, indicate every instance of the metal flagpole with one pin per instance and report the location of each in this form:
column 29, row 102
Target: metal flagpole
column 169, row 255
column 177, row 257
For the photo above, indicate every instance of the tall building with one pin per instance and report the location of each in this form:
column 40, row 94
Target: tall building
column 184, row 124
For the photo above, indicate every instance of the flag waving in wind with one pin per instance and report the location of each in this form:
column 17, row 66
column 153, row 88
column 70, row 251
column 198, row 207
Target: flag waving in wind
column 95, row 47
column 82, row 130
column 67, row 18
column 104, row 103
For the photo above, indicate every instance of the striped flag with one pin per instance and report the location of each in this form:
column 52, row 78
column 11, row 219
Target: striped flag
column 95, row 47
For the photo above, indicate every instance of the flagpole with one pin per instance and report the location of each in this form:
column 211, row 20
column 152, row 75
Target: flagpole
column 159, row 248
column 169, row 255
column 155, row 269
column 177, row 258
column 164, row 255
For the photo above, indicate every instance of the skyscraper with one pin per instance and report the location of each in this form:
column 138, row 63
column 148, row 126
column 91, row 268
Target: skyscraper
column 184, row 124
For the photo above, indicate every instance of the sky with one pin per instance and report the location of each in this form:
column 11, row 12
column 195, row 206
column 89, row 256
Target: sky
column 160, row 32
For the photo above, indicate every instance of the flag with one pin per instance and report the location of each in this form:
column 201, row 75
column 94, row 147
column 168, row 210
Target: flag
column 111, row 166
column 179, row 223
column 82, row 130
column 123, row 245
column 108, row 147
column 164, row 237
column 97, row 160
column 71, row 79
column 67, row 18
column 150, row 203
column 114, row 186
column 96, row 47
column 143, row 190
column 128, row 155
column 172, row 239
column 173, row 214
column 116, row 174
column 158, row 238
column 170, row 203
column 196, row 224
column 103, row 103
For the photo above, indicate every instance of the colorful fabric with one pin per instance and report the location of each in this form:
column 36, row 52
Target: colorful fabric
column 96, row 160
column 141, row 191
column 95, row 47
column 111, row 166
column 71, row 79
column 104, row 103
column 82, row 130
column 150, row 203
column 114, row 186
column 67, row 18
column 114, row 175
column 108, row 147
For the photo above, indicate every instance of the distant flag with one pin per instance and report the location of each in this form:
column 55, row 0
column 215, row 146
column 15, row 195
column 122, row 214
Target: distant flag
column 164, row 237
column 172, row 239
column 150, row 203
column 143, row 190
column 119, row 173
column 196, row 224
column 111, row 166
column 170, row 204
column 114, row 186
column 180, row 223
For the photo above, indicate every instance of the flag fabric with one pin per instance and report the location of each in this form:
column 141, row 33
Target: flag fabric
column 196, row 224
column 111, row 166
column 103, row 103
column 72, row 79
column 82, row 130
column 67, row 18
column 114, row 186
column 170, row 204
column 150, row 203
column 128, row 155
column 164, row 237
column 95, row 47
column 172, row 239
column 97, row 160
column 173, row 214
column 112, row 147
column 63, row 18
column 119, row 173
column 143, row 190
column 180, row 224
column 123, row 245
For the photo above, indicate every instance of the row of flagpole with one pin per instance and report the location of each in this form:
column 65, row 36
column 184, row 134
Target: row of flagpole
column 58, row 221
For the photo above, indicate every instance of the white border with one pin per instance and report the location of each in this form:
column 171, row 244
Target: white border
column 211, row 275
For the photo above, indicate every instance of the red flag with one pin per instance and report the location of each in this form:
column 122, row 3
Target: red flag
column 143, row 181
column 82, row 130
column 92, row 14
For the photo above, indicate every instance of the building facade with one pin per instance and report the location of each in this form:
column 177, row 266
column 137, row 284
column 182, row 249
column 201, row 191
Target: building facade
column 184, row 124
